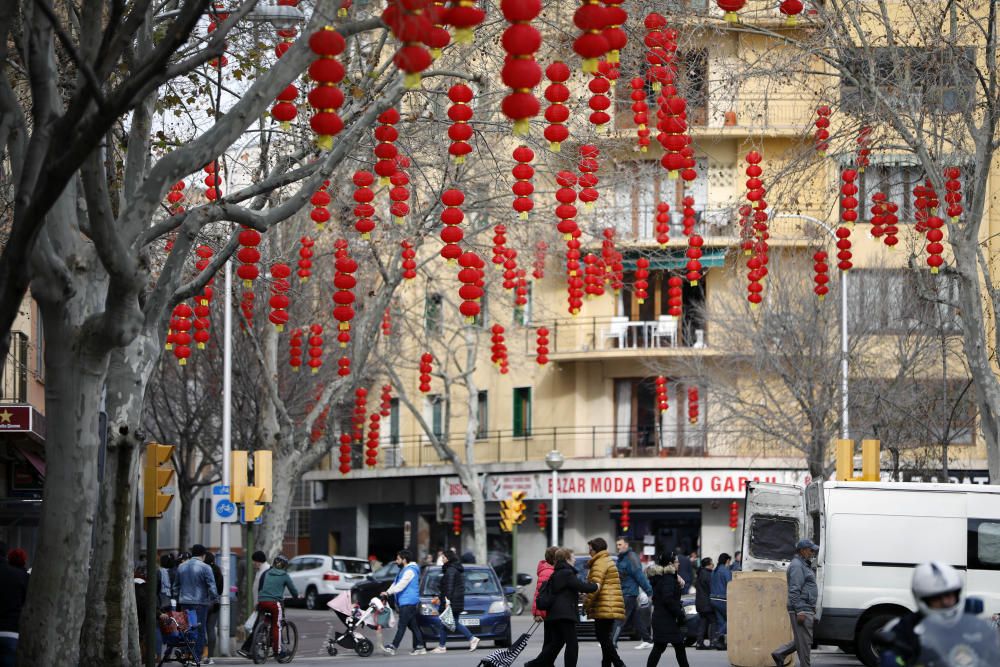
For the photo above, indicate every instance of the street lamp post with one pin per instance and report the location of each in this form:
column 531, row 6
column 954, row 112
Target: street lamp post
column 554, row 460
column 844, row 410
column 227, row 448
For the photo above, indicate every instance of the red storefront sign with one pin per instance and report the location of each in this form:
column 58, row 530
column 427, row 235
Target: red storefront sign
column 15, row 418
column 621, row 485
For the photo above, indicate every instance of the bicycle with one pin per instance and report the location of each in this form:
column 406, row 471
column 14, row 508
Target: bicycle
column 261, row 646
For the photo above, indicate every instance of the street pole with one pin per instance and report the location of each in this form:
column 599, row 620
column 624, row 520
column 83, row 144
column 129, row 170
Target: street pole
column 844, row 340
column 152, row 593
column 227, row 448
column 513, row 556
column 555, row 507
column 250, row 572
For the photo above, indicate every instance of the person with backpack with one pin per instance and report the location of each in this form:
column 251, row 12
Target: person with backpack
column 633, row 581
column 558, row 598
column 546, row 567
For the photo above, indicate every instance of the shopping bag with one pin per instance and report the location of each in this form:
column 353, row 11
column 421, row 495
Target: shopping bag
column 248, row 626
column 447, row 617
column 642, row 599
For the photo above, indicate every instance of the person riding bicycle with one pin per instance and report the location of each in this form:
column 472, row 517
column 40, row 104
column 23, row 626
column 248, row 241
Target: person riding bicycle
column 272, row 591
column 943, row 631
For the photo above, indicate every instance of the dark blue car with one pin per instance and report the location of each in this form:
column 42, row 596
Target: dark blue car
column 486, row 612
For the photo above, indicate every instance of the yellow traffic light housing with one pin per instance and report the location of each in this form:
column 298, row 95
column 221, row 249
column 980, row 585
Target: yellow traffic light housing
column 507, row 516
column 871, row 452
column 517, row 506
column 251, row 497
column 262, row 473
column 157, row 473
column 238, row 476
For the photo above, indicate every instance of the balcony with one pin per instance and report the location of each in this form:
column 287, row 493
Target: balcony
column 575, row 442
column 15, row 371
column 725, row 114
column 598, row 338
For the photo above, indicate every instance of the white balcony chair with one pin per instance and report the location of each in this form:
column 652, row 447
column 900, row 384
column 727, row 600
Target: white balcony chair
column 618, row 330
column 699, row 338
column 666, row 327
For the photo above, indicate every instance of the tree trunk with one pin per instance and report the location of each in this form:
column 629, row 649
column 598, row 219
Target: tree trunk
column 184, row 530
column 111, row 601
column 270, row 534
column 471, row 429
column 54, row 613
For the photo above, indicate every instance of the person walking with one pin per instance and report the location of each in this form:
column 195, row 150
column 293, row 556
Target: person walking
column 543, row 573
column 452, row 592
column 802, row 596
column 633, row 580
column 668, row 612
column 607, row 604
column 703, row 604
column 720, row 585
column 166, row 589
column 196, row 584
column 13, row 593
column 565, row 587
column 406, row 588
column 212, row 622
column 737, row 564
column 686, row 570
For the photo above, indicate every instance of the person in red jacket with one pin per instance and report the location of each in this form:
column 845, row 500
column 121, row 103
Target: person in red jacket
column 545, row 568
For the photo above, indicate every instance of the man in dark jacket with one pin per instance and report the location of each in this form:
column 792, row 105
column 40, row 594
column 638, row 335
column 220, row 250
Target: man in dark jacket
column 452, row 592
column 703, row 604
column 566, row 586
column 633, row 579
column 686, row 570
column 720, row 585
column 13, row 592
column 802, row 596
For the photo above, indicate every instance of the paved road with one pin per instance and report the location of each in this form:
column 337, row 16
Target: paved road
column 314, row 625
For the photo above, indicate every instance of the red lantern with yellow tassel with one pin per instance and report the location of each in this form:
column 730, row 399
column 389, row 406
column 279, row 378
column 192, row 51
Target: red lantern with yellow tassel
column 326, row 97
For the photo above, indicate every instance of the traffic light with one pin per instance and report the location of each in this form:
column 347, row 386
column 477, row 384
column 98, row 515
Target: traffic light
column 156, row 474
column 262, row 473
column 518, row 506
column 870, row 461
column 238, row 476
column 507, row 521
column 251, row 497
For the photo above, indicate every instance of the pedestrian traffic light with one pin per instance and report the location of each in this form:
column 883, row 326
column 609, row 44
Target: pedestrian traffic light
column 262, row 473
column 156, row 474
column 518, row 506
column 508, row 517
column 238, row 476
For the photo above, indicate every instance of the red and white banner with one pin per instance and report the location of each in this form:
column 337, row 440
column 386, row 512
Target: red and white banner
column 624, row 485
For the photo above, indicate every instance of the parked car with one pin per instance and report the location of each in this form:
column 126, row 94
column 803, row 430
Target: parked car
column 486, row 612
column 374, row 583
column 319, row 578
column 585, row 625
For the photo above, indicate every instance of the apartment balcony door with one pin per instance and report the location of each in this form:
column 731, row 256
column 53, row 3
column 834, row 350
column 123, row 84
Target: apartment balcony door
column 636, row 428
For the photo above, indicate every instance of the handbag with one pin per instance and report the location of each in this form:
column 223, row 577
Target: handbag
column 248, row 626
column 642, row 599
column 447, row 617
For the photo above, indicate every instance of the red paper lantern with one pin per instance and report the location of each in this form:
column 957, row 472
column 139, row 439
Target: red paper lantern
column 345, row 453
column 693, row 405
column 305, row 258
column 542, row 517
column 385, row 407
column 438, row 36
column 499, row 245
column 326, row 97
column 400, row 194
column 452, row 217
column 411, row 25
column 371, row 455
column 821, row 278
column 542, row 346
column 557, row 112
column 213, row 182
column 822, row 136
column 498, row 350
column 470, row 275
column 662, row 405
column 279, row 301
column 538, row 268
column 409, row 264
column 464, row 16
column 360, row 410
column 456, row 520
column 641, row 284
column 695, row 243
column 566, row 196
column 878, row 211
column 520, row 72
column 625, row 519
column 248, row 255
column 734, row 515
column 320, row 200
column 599, row 102
column 953, row 194
column 315, row 347
column 848, row 215
column 180, row 324
column 675, row 296
column 426, row 366
column 343, row 298
column 588, row 180
column 385, row 150
column 591, row 45
column 363, row 197
column 509, row 268
column 791, row 9
column 460, row 113
column 523, row 188
column 891, row 230
column 295, row 350
column 730, row 7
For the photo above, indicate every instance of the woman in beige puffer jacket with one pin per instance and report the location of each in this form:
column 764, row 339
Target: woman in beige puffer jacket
column 607, row 605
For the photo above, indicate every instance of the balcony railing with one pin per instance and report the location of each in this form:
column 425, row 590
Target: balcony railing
column 607, row 334
column 636, row 221
column 778, row 111
column 585, row 442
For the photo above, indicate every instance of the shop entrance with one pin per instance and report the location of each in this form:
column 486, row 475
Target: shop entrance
column 665, row 529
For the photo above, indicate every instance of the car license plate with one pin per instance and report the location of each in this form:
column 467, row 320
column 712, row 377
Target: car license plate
column 469, row 621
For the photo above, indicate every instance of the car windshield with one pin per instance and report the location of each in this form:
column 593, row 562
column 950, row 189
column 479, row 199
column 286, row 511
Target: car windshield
column 477, row 582
column 386, row 571
column 353, row 566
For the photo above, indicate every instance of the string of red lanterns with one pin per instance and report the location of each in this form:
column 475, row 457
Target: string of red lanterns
column 499, row 349
column 662, row 404
column 315, row 347
column 409, row 263
column 399, row 194
column 363, row 198
column 848, row 216
column 385, row 148
column 460, row 114
column 953, row 192
column 542, row 346
column 180, row 325
column 343, row 298
column 591, row 45
column 820, row 270
column 410, row 25
column 542, row 517
column 305, row 258
column 663, row 224
column 320, row 200
column 284, row 111
column 295, row 350
column 426, row 366
column 279, row 301
column 523, row 187
column 641, row 284
column 640, row 113
column 371, row 455
column 456, row 520
column 625, row 519
column 566, row 196
column 345, row 453
column 499, row 245
column 538, row 267
column 822, row 136
column 452, row 217
column 588, row 166
column 693, row 405
column 202, row 312
column 248, row 255
column 213, row 190
column 509, row 268
column 675, row 298
column 599, row 103
column 557, row 113
column 387, row 323
column 326, row 97
column 471, row 291
column 464, row 16
column 358, row 419
column 520, row 71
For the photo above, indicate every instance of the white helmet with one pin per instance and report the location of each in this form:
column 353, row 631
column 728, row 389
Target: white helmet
column 933, row 579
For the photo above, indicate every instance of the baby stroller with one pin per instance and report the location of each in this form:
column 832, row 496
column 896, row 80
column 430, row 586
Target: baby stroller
column 354, row 618
column 179, row 630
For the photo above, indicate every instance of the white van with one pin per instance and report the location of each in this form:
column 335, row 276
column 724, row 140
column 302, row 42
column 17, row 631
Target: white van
column 871, row 535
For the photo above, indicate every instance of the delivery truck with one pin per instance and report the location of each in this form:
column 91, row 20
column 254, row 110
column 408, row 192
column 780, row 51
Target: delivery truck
column 871, row 535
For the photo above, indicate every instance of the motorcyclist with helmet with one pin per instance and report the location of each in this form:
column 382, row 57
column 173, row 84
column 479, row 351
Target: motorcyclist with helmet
column 944, row 631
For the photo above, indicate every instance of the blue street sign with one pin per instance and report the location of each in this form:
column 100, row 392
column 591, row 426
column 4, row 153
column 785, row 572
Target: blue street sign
column 243, row 518
column 223, row 509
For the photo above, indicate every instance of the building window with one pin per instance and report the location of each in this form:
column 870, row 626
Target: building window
column 435, row 414
column 204, row 510
column 910, row 79
column 433, row 313
column 522, row 412
column 522, row 314
column 15, row 380
column 483, row 414
column 394, row 421
column 901, row 301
